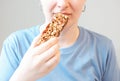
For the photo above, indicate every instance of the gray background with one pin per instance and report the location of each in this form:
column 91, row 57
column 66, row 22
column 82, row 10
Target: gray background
column 102, row 16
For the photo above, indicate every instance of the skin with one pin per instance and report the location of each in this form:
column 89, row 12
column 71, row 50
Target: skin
column 71, row 8
column 39, row 60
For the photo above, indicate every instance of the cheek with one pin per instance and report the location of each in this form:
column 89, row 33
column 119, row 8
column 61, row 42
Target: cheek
column 47, row 5
column 78, row 4
column 79, row 7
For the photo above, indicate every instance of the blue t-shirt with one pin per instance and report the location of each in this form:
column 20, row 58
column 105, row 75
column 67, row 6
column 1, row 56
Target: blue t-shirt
column 90, row 58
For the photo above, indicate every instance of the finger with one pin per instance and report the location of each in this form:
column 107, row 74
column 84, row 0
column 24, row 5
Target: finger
column 35, row 41
column 49, row 65
column 46, row 46
column 49, row 54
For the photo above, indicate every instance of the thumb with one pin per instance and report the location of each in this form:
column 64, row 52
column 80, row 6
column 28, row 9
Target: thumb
column 36, row 41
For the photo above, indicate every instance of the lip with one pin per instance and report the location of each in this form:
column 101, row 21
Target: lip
column 65, row 13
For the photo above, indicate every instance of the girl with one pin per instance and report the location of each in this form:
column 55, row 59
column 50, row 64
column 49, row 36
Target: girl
column 76, row 55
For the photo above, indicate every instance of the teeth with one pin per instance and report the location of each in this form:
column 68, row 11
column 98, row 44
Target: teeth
column 54, row 27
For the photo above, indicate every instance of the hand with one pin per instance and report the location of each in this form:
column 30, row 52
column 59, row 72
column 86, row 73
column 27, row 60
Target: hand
column 38, row 61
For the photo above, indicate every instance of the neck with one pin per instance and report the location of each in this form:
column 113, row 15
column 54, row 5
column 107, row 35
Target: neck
column 68, row 36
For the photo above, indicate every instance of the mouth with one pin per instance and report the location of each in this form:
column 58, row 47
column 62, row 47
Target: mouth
column 65, row 13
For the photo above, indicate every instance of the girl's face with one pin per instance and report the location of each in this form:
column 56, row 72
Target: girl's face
column 72, row 8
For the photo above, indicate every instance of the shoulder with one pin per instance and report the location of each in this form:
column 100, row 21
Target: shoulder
column 26, row 32
column 102, row 45
column 20, row 38
column 98, row 38
column 23, row 33
column 99, row 44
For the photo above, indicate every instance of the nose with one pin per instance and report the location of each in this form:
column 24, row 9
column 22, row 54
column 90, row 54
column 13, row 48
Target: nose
column 62, row 4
